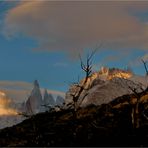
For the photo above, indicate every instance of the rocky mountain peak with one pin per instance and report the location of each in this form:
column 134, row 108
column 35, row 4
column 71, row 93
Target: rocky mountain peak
column 48, row 99
column 106, row 84
column 111, row 73
column 34, row 101
column 36, row 84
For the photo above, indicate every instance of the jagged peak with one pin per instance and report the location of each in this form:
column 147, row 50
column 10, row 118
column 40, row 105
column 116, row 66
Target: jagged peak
column 36, row 88
column 119, row 73
column 45, row 93
column 111, row 73
column 36, row 83
column 103, row 70
column 106, row 73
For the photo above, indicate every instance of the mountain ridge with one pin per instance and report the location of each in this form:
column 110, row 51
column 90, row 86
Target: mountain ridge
column 107, row 84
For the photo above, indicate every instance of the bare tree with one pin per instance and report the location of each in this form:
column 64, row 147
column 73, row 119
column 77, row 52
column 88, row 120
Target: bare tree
column 135, row 89
column 145, row 66
column 138, row 90
column 82, row 87
column 135, row 106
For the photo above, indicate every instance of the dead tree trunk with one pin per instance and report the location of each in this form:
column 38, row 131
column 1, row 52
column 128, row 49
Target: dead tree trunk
column 137, row 92
column 81, row 88
column 135, row 115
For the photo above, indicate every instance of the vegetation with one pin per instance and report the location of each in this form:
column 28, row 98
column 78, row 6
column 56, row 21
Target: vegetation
column 82, row 87
column 106, row 125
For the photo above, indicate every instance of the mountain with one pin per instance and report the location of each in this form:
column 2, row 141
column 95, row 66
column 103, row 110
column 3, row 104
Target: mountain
column 48, row 100
column 59, row 100
column 106, row 84
column 34, row 102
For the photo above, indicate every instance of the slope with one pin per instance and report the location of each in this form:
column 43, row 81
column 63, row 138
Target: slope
column 104, row 125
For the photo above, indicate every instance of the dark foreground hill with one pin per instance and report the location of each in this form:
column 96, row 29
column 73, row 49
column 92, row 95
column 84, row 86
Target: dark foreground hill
column 105, row 125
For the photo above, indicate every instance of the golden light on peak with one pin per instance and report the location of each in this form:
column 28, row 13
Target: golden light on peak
column 125, row 75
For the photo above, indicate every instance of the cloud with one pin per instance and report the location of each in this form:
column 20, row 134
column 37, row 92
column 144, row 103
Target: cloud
column 5, row 105
column 73, row 26
column 18, row 91
column 15, row 85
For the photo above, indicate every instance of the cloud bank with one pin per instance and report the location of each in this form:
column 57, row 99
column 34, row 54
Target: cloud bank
column 73, row 26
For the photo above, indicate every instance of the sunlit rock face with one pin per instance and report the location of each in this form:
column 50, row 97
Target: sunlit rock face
column 105, row 85
column 118, row 73
column 107, row 74
column 111, row 73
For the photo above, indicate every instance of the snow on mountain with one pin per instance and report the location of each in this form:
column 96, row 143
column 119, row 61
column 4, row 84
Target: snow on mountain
column 105, row 85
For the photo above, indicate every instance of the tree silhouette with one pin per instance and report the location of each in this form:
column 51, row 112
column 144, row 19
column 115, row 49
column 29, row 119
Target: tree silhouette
column 138, row 90
column 82, row 87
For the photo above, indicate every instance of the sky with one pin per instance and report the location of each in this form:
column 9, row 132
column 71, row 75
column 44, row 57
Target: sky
column 42, row 39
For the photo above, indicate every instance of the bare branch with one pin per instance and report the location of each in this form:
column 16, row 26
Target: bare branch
column 79, row 94
column 94, row 51
column 81, row 87
column 134, row 88
column 145, row 66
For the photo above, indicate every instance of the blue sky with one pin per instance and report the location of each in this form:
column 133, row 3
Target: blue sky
column 33, row 47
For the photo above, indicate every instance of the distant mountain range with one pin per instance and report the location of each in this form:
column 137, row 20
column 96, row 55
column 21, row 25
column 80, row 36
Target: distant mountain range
column 35, row 103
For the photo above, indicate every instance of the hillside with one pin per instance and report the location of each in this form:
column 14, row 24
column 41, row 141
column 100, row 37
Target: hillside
column 105, row 125
column 107, row 84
